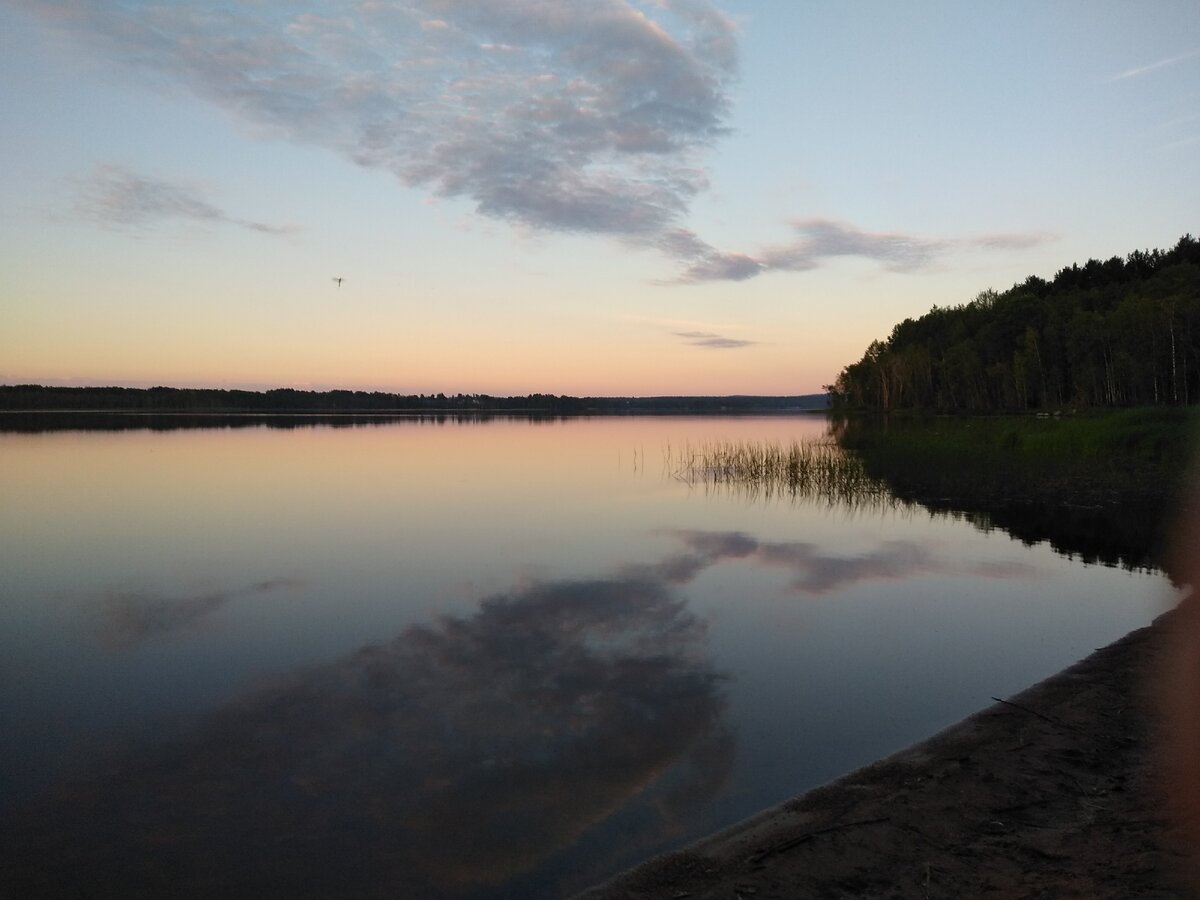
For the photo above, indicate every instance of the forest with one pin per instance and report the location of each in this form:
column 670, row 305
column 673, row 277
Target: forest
column 1123, row 332
column 32, row 397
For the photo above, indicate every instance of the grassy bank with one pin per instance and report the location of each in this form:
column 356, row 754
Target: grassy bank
column 1101, row 485
column 1094, row 458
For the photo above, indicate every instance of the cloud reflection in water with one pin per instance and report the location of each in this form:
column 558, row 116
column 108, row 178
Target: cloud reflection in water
column 556, row 732
column 129, row 618
column 818, row 572
column 458, row 755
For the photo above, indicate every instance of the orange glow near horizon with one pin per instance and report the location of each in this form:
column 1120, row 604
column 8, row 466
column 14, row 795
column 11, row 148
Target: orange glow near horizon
column 516, row 349
column 576, row 370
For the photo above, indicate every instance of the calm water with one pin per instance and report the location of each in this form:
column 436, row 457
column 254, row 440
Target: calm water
column 492, row 659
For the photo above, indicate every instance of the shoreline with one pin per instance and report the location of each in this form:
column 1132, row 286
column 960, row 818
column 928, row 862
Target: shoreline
column 1053, row 792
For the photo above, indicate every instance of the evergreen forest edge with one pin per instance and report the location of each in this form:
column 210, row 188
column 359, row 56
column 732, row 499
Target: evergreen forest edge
column 1060, row 410
column 1118, row 333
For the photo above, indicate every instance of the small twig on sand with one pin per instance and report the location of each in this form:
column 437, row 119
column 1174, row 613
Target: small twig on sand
column 809, row 835
column 1032, row 712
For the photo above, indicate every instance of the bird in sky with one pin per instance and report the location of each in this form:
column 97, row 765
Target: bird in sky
column 338, row 279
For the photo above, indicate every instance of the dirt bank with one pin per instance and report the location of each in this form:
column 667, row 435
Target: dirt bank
column 1051, row 793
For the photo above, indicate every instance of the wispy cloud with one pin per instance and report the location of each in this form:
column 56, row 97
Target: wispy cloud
column 712, row 340
column 584, row 117
column 704, row 262
column 1019, row 241
column 1182, row 142
column 114, row 196
column 1177, row 132
column 819, row 240
column 1154, row 66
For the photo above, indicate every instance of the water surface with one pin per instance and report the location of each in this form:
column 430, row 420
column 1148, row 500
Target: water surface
column 499, row 658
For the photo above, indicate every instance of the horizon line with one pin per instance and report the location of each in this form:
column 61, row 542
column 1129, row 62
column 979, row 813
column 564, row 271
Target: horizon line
column 394, row 393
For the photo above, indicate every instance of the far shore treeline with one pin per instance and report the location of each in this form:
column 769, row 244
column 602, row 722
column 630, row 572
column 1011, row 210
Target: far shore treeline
column 1124, row 332
column 30, row 398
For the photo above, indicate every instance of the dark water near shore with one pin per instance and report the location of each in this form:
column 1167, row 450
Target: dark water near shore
column 468, row 658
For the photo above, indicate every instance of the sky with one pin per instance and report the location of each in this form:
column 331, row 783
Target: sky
column 602, row 197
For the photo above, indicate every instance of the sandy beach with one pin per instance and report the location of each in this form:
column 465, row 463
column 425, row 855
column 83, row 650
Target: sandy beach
column 1055, row 792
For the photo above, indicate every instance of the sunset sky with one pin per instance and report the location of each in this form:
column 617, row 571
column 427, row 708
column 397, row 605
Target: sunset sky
column 592, row 197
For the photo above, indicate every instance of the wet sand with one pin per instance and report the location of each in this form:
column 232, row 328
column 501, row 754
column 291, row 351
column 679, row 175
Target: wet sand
column 1054, row 792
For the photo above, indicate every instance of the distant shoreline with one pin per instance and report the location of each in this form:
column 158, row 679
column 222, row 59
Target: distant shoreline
column 287, row 401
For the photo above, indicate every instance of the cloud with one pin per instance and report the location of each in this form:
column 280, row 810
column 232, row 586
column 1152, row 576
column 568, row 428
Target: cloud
column 583, row 117
column 1154, row 66
column 113, row 195
column 713, row 341
column 704, row 262
column 819, row 240
column 1011, row 241
column 580, row 117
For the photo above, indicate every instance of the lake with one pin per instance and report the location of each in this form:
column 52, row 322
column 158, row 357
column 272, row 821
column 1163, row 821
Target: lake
column 469, row 658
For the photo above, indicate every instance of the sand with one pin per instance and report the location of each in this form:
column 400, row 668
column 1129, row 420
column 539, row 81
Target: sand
column 1055, row 792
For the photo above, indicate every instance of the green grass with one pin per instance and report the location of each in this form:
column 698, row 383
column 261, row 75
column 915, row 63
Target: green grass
column 1153, row 433
column 1142, row 452
column 1106, row 485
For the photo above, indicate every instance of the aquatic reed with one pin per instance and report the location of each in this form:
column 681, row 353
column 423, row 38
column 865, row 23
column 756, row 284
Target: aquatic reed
column 812, row 470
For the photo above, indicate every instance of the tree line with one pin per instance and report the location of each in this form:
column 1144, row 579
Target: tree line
column 1123, row 332
column 32, row 397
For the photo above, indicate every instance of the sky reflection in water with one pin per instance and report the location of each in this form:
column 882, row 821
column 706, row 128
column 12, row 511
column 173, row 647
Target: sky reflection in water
column 493, row 660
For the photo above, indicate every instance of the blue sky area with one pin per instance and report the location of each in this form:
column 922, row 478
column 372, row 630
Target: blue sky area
column 598, row 197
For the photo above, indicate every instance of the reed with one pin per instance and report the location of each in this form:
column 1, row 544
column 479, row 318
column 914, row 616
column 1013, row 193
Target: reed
column 812, row 471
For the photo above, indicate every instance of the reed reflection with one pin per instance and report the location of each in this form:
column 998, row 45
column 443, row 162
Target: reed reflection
column 447, row 762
